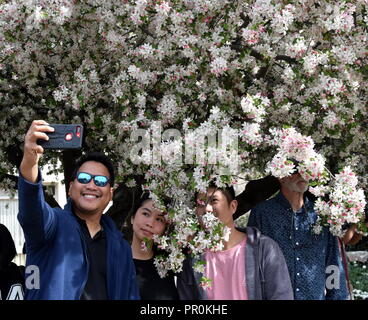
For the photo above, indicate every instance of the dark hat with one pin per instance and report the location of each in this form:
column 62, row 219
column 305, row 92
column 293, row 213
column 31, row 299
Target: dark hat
column 255, row 192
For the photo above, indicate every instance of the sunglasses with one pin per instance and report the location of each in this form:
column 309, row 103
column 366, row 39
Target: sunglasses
column 100, row 181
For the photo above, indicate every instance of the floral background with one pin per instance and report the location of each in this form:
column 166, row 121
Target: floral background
column 246, row 68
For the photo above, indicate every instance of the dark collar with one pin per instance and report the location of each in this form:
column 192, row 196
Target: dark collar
column 82, row 222
column 280, row 198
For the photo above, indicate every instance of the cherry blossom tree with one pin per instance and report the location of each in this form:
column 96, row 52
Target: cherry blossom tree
column 196, row 67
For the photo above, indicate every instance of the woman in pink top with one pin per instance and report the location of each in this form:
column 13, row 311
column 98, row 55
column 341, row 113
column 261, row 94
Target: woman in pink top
column 250, row 266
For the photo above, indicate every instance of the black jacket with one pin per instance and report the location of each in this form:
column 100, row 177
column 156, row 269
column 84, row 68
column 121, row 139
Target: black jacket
column 11, row 276
column 266, row 272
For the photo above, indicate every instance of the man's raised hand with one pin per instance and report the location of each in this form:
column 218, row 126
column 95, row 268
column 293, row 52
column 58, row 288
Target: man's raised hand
column 32, row 151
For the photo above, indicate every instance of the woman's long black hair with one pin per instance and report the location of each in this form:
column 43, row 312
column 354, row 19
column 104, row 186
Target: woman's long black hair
column 128, row 227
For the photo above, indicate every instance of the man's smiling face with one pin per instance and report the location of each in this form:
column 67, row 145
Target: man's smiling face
column 215, row 201
column 89, row 198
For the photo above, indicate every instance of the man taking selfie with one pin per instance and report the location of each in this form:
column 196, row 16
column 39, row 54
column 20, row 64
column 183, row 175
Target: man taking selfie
column 78, row 252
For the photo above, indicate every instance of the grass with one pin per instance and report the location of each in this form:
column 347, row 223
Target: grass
column 358, row 273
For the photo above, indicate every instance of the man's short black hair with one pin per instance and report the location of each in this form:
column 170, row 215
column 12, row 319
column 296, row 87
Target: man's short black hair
column 97, row 157
column 227, row 191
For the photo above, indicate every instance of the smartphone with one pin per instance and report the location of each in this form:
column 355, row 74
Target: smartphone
column 65, row 136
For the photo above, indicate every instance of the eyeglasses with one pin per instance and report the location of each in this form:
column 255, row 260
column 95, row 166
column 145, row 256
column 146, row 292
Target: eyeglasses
column 100, row 181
